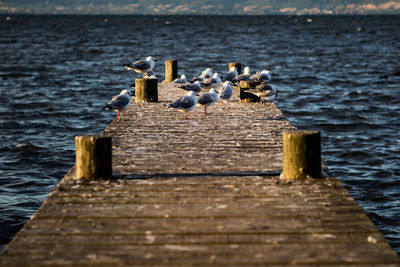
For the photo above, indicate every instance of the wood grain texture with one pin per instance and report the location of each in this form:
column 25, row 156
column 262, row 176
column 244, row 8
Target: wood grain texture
column 146, row 90
column 301, row 155
column 202, row 192
column 171, row 70
column 93, row 157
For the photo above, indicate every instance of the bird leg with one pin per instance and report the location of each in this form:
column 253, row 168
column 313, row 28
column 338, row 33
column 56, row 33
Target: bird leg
column 118, row 115
column 186, row 115
column 123, row 115
column 205, row 110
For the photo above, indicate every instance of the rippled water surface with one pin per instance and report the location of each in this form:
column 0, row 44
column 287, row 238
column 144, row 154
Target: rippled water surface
column 339, row 75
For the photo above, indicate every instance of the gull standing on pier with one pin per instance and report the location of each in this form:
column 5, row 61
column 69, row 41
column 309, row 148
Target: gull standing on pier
column 262, row 76
column 264, row 90
column 119, row 103
column 226, row 91
column 206, row 99
column 207, row 73
column 245, row 76
column 231, row 75
column 185, row 103
column 213, row 82
column 195, row 87
column 141, row 66
column 182, row 79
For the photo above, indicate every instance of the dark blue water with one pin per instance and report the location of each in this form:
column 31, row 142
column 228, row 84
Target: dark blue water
column 338, row 75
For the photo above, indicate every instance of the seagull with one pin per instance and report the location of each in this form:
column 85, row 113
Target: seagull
column 141, row 66
column 198, row 79
column 119, row 103
column 206, row 99
column 213, row 82
column 263, row 76
column 226, row 91
column 207, row 73
column 245, row 76
column 182, row 79
column 185, row 103
column 229, row 76
column 195, row 87
column 264, row 90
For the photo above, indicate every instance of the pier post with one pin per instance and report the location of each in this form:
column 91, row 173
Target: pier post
column 171, row 70
column 238, row 66
column 93, row 158
column 246, row 97
column 301, row 155
column 146, row 90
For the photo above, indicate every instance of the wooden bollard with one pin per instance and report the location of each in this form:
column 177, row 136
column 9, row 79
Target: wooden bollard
column 301, row 155
column 146, row 90
column 171, row 70
column 237, row 65
column 246, row 97
column 93, row 158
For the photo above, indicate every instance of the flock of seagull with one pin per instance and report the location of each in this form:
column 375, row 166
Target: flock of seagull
column 207, row 80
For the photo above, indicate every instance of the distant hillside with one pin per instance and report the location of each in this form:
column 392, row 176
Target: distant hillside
column 216, row 7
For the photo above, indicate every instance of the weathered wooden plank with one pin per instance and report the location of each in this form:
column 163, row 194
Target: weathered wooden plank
column 231, row 255
column 160, row 224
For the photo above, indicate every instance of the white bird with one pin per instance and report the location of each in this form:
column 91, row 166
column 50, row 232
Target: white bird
column 185, row 103
column 264, row 90
column 245, row 76
column 207, row 73
column 198, row 79
column 213, row 82
column 226, row 91
column 119, row 103
column 206, row 99
column 182, row 79
column 263, row 76
column 141, row 66
column 229, row 76
column 195, row 87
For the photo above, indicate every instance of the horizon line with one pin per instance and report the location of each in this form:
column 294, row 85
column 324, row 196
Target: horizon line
column 194, row 15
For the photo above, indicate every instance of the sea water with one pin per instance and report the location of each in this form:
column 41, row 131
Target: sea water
column 336, row 74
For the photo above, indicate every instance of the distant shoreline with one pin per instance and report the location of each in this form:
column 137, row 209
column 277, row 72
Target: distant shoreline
column 199, row 15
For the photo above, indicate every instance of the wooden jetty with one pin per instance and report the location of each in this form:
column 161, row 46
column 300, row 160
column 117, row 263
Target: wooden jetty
column 199, row 192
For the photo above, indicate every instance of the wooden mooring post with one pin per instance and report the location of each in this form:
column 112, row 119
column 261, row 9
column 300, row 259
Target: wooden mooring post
column 171, row 70
column 146, row 90
column 238, row 66
column 93, row 157
column 246, row 97
column 301, row 155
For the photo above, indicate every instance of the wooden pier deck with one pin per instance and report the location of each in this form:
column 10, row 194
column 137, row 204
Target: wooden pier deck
column 201, row 192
